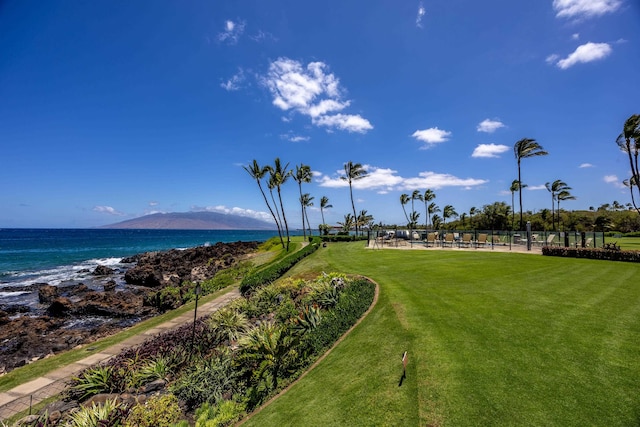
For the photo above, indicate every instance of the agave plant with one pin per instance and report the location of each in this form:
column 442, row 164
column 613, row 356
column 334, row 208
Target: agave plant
column 108, row 414
column 309, row 319
column 92, row 381
column 228, row 324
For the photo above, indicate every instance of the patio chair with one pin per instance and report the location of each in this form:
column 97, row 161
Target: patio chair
column 431, row 239
column 466, row 240
column 482, row 240
column 589, row 242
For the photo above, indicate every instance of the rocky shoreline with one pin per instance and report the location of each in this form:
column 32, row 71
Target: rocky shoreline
column 68, row 316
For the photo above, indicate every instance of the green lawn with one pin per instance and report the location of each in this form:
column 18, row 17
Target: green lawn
column 493, row 339
column 626, row 243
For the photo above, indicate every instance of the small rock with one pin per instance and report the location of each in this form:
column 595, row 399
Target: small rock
column 102, row 270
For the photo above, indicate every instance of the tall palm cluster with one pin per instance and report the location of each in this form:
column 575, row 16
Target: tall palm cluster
column 629, row 143
column 276, row 176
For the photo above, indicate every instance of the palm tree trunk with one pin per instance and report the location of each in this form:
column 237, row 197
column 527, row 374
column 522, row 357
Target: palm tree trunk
column 353, row 206
column 304, row 231
column 284, row 217
column 520, row 192
column 272, row 214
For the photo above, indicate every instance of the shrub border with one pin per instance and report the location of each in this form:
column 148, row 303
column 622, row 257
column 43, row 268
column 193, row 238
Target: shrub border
column 592, row 253
column 324, row 355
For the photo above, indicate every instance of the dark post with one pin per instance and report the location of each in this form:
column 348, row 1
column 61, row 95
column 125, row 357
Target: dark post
column 197, row 291
column 528, row 235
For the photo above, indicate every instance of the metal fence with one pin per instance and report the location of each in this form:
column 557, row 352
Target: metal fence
column 518, row 240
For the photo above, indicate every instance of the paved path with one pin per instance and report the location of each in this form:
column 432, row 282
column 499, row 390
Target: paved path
column 23, row 396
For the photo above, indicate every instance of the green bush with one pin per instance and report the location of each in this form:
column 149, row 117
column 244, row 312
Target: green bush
column 592, row 253
column 97, row 415
column 92, row 381
column 158, row 411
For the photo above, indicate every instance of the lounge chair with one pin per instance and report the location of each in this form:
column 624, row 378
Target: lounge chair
column 448, row 240
column 482, row 240
column 466, row 240
column 550, row 238
column 589, row 242
column 431, row 239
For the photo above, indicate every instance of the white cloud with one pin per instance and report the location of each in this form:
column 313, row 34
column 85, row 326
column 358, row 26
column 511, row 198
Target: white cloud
column 348, row 122
column 313, row 92
column 613, row 179
column 584, row 8
column 586, row 165
column 234, row 82
column 384, row 180
column 431, row 136
column 551, row 59
column 489, row 150
column 294, row 138
column 587, row 52
column 420, row 15
column 535, row 187
column 575, row 36
column 108, row 210
column 232, row 32
column 153, row 203
column 234, row 211
column 489, row 126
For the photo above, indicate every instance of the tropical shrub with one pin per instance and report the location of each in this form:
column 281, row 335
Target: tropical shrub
column 158, row 411
column 223, row 414
column 208, row 381
column 91, row 381
column 228, row 324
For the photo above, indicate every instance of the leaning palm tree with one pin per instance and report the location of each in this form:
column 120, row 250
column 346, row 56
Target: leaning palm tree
column 324, row 204
column 523, row 149
column 629, row 183
column 415, row 196
column 629, row 142
column 404, row 199
column 279, row 176
column 364, row 218
column 307, row 201
column 303, row 174
column 433, row 208
column 427, row 197
column 256, row 172
column 353, row 172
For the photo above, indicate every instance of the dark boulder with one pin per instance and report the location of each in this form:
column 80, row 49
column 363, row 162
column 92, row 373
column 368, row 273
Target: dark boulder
column 47, row 293
column 103, row 270
column 60, row 307
column 110, row 286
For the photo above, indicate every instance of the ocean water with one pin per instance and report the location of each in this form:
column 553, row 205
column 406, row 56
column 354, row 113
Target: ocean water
column 60, row 256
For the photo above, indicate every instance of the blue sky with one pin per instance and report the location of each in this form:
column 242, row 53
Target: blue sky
column 112, row 110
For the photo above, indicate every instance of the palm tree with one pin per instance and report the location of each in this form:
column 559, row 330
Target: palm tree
column 563, row 195
column 436, row 220
column 364, row 218
column 353, row 172
column 324, row 204
column 629, row 142
column 256, row 172
column 348, row 222
column 523, row 149
column 472, row 212
column 303, row 174
column 428, row 196
column 463, row 219
column 404, row 199
column 306, row 201
column 515, row 186
column 555, row 188
column 415, row 196
column 629, row 183
column 280, row 175
column 448, row 212
column 433, row 208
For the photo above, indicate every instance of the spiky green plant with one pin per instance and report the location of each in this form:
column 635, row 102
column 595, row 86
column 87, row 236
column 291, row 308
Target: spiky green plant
column 97, row 415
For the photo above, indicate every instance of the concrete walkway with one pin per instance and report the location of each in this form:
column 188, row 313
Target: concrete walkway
column 24, row 396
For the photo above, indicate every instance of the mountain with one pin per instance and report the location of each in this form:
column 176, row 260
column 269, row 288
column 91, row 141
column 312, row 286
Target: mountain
column 193, row 221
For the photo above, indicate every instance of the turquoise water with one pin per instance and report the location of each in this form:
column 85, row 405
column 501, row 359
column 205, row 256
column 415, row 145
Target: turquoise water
column 54, row 256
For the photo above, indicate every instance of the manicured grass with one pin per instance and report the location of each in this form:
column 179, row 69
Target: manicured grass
column 493, row 339
column 626, row 243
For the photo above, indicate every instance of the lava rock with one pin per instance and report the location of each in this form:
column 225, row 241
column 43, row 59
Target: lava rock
column 103, row 270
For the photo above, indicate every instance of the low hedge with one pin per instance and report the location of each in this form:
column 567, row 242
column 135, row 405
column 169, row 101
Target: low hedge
column 592, row 253
column 342, row 238
column 273, row 271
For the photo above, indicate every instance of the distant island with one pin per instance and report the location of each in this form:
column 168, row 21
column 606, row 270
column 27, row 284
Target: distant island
column 193, row 221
